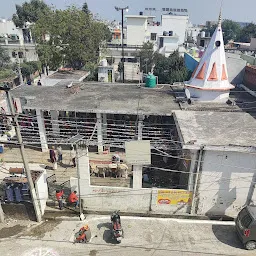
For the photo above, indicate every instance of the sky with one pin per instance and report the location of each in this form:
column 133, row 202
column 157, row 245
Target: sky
column 199, row 10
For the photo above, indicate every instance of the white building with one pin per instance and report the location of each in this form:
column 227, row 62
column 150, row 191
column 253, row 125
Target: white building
column 168, row 35
column 210, row 82
column 18, row 42
column 220, row 148
column 192, row 33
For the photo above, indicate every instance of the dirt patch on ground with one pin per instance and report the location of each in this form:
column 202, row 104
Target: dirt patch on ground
column 40, row 230
column 11, row 231
column 93, row 253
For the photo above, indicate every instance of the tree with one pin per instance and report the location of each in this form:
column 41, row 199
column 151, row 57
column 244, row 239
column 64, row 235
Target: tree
column 231, row 30
column 247, row 33
column 170, row 70
column 29, row 68
column 85, row 8
column 4, row 58
column 146, row 56
column 29, row 12
column 69, row 35
column 6, row 69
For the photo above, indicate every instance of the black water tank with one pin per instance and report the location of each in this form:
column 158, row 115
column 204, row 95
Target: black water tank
column 170, row 33
column 141, row 13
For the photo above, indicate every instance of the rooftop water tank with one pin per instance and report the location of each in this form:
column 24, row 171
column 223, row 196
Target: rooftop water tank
column 202, row 34
column 150, row 81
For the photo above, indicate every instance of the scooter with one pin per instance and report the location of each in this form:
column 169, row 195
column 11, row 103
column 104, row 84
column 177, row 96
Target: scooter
column 117, row 230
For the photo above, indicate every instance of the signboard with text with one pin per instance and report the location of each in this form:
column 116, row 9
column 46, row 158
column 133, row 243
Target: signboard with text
column 174, row 197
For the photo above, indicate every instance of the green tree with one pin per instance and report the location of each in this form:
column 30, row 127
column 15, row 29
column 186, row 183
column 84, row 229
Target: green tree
column 231, row 30
column 247, row 33
column 146, row 56
column 6, row 69
column 4, row 58
column 29, row 12
column 69, row 36
column 170, row 70
column 85, row 8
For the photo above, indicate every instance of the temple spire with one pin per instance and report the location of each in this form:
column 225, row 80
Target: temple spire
column 210, row 81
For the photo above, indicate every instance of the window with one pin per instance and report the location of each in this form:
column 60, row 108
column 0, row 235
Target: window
column 20, row 54
column 245, row 218
column 153, row 36
column 161, row 42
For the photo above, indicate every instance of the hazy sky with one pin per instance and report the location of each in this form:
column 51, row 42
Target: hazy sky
column 199, row 10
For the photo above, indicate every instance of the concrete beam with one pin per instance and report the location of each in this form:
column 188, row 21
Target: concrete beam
column 42, row 132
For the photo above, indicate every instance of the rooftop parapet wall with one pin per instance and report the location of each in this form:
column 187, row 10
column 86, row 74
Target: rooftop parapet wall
column 250, row 77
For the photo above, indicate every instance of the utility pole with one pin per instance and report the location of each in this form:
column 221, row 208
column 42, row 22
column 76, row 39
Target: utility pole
column 19, row 68
column 78, row 179
column 22, row 151
column 75, row 140
column 1, row 214
column 122, row 9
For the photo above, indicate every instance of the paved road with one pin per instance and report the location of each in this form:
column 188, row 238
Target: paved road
column 143, row 236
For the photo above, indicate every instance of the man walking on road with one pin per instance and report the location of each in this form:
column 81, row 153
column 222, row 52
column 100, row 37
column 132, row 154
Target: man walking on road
column 53, row 158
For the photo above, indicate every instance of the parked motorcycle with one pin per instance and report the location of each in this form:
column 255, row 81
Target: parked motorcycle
column 117, row 230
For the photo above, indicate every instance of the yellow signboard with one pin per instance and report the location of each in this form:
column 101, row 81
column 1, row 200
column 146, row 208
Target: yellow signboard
column 174, row 197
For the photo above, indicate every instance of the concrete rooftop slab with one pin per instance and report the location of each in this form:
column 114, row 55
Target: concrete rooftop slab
column 216, row 128
column 100, row 98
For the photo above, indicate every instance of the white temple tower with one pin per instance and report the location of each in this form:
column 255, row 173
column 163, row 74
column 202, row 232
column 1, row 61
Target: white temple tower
column 209, row 82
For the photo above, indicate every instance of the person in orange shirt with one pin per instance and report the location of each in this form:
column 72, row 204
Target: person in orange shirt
column 73, row 199
column 59, row 195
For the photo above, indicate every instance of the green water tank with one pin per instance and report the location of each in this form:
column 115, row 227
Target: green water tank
column 151, row 81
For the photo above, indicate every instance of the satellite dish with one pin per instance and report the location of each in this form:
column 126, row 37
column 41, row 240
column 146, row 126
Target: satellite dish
column 187, row 92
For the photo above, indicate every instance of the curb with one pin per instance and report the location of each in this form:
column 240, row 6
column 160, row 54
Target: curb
column 70, row 215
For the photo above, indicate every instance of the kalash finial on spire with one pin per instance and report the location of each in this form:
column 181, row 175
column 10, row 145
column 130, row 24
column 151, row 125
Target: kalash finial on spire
column 220, row 18
column 220, row 15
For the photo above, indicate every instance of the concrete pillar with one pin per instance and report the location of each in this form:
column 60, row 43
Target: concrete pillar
column 137, row 169
column 84, row 175
column 41, row 128
column 104, row 125
column 99, row 133
column 192, row 171
column 55, row 122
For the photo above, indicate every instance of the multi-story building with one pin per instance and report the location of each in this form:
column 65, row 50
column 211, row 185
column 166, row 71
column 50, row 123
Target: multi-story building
column 167, row 36
column 17, row 41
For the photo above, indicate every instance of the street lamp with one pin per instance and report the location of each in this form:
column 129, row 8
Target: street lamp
column 122, row 9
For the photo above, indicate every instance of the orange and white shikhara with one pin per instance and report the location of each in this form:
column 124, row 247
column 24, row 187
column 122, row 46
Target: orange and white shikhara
column 209, row 81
